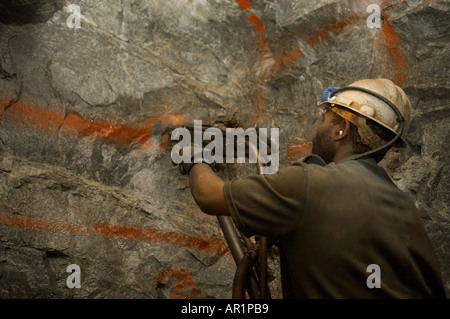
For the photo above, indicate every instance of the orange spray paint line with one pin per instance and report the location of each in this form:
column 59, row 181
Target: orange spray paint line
column 208, row 245
column 76, row 125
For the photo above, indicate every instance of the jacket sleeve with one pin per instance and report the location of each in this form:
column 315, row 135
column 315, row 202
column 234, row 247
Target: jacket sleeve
column 268, row 205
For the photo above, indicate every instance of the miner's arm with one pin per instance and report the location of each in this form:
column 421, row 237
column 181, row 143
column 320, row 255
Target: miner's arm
column 207, row 190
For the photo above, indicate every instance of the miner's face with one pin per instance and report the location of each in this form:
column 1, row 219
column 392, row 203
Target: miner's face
column 322, row 142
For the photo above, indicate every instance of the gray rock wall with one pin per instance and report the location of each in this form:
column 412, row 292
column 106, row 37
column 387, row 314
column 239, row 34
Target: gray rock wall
column 85, row 173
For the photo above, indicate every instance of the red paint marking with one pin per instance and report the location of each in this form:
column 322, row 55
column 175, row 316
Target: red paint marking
column 298, row 149
column 285, row 59
column 207, row 245
column 253, row 18
column 260, row 115
column 204, row 244
column 266, row 53
column 36, row 223
column 182, row 285
column 392, row 41
column 244, row 4
column 74, row 124
column 165, row 142
column 334, row 28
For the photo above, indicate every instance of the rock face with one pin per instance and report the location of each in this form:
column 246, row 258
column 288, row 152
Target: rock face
column 87, row 101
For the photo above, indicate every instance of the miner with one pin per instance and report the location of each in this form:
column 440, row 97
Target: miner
column 336, row 215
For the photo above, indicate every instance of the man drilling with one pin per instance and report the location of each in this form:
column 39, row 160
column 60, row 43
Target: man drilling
column 336, row 214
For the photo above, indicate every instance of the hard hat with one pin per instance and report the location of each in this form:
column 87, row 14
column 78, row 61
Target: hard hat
column 358, row 106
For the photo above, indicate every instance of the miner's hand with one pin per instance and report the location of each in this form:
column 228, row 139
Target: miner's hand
column 184, row 167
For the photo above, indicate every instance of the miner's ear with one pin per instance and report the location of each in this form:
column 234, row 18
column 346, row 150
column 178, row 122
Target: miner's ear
column 341, row 130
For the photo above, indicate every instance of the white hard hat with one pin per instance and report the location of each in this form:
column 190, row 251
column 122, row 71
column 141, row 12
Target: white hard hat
column 357, row 106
